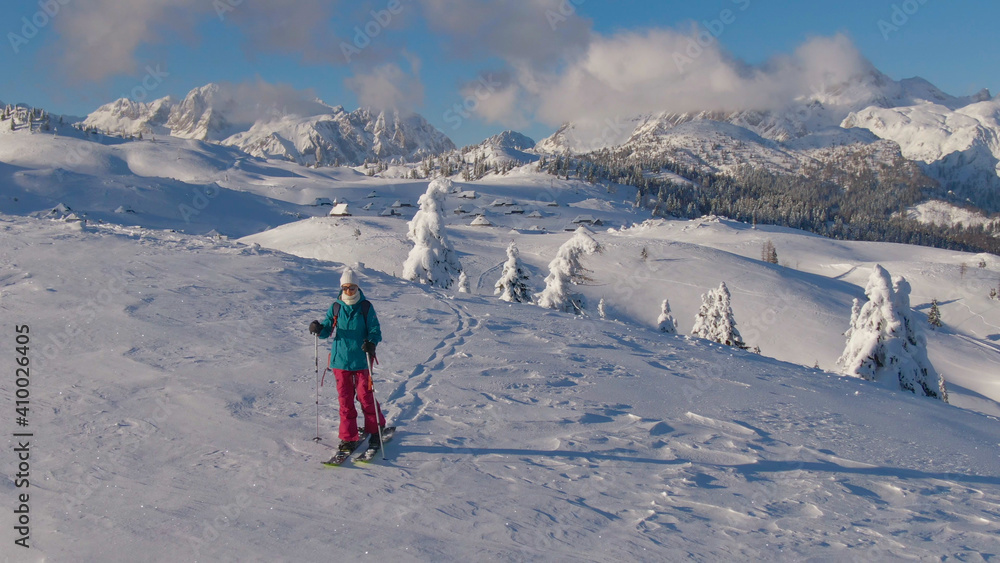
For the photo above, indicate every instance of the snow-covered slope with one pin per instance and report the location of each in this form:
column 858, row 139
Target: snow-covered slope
column 942, row 213
column 308, row 133
column 189, row 185
column 180, row 425
column 166, row 184
column 816, row 286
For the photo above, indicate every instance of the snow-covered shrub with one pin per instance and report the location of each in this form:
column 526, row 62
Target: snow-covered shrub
column 463, row 283
column 513, row 283
column 715, row 320
column 565, row 270
column 432, row 260
column 884, row 343
column 666, row 322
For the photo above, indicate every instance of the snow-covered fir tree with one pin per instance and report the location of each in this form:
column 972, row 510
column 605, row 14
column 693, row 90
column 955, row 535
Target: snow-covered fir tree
column 884, row 343
column 602, row 309
column 432, row 260
column 513, row 283
column 566, row 270
column 934, row 316
column 917, row 375
column 715, row 320
column 666, row 322
column 463, row 283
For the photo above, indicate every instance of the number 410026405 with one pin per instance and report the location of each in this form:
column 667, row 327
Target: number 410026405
column 21, row 378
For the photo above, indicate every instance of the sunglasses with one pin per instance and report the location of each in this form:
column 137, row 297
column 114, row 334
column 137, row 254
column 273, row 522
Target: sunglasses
column 349, row 288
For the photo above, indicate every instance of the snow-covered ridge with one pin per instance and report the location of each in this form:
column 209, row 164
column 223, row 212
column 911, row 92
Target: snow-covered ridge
column 126, row 117
column 503, row 149
column 955, row 138
column 343, row 138
column 960, row 146
column 308, row 133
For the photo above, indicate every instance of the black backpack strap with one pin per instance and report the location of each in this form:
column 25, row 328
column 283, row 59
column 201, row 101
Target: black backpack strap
column 366, row 306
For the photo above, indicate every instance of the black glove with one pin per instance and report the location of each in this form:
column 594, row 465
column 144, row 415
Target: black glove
column 315, row 327
column 368, row 347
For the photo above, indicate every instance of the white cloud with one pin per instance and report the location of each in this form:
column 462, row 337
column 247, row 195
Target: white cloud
column 664, row 70
column 388, row 86
column 494, row 98
column 297, row 27
column 100, row 38
column 559, row 68
column 537, row 32
column 253, row 100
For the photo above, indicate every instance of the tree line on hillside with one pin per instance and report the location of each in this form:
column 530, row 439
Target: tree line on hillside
column 853, row 200
column 16, row 118
column 884, row 343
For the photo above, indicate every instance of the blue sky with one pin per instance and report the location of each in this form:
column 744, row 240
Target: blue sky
column 474, row 68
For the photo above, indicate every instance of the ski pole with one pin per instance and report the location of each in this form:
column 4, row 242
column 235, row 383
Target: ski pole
column 316, row 356
column 378, row 411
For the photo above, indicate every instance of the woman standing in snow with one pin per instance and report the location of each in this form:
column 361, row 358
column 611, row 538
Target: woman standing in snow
column 354, row 325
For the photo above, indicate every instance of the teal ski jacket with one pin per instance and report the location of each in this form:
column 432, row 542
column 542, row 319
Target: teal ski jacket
column 345, row 352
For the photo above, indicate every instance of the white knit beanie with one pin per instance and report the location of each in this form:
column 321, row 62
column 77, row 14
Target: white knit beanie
column 348, row 278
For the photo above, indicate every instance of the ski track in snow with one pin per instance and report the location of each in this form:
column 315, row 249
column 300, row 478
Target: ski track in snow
column 407, row 396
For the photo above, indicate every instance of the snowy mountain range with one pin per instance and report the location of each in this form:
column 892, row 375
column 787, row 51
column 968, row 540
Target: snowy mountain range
column 955, row 138
column 870, row 117
column 308, row 134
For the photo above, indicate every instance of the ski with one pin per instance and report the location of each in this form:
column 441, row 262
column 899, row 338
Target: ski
column 373, row 444
column 342, row 455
